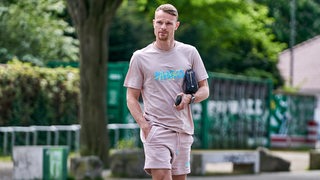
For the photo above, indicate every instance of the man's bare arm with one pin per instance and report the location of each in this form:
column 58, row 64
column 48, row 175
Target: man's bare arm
column 135, row 109
column 200, row 95
column 203, row 91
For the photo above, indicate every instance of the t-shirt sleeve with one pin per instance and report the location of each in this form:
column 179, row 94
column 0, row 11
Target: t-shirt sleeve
column 198, row 66
column 134, row 77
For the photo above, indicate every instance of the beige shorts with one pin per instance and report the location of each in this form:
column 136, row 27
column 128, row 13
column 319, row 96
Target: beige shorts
column 167, row 149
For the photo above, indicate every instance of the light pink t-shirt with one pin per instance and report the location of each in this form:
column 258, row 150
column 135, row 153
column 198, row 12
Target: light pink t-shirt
column 159, row 75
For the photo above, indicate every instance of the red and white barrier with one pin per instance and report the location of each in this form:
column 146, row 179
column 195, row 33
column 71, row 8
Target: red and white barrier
column 312, row 136
column 295, row 141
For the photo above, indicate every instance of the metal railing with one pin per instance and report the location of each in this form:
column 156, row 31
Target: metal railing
column 31, row 134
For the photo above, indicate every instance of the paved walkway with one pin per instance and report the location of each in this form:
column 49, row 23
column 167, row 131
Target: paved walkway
column 298, row 170
column 302, row 175
column 6, row 170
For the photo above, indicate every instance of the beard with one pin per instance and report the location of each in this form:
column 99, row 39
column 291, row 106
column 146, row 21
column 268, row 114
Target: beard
column 163, row 36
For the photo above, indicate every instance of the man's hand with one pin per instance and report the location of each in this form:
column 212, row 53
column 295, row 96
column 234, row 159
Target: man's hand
column 185, row 101
column 145, row 127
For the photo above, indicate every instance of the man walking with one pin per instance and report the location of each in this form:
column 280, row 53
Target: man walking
column 157, row 72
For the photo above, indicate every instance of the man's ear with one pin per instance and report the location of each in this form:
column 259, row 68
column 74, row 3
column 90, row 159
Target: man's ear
column 177, row 25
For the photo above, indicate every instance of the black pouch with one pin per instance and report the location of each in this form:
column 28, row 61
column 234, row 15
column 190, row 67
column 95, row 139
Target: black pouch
column 190, row 83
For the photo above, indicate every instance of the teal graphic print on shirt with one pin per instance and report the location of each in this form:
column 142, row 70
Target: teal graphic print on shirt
column 169, row 75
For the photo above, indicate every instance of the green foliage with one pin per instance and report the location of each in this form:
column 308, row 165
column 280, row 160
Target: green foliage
column 307, row 21
column 31, row 95
column 33, row 31
column 128, row 143
column 290, row 89
column 124, row 34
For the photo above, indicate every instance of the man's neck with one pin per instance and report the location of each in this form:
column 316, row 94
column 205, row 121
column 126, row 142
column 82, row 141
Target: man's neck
column 164, row 45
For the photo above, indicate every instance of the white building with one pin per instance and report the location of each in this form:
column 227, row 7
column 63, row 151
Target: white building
column 306, row 69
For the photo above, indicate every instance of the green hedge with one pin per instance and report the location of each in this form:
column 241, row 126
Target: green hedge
column 31, row 95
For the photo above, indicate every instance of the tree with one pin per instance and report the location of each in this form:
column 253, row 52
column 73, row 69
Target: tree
column 125, row 32
column 92, row 19
column 32, row 31
column 307, row 21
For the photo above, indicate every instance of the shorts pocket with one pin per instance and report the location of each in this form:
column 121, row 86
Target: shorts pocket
column 151, row 133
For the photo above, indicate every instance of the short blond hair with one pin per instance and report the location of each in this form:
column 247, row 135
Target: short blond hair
column 168, row 8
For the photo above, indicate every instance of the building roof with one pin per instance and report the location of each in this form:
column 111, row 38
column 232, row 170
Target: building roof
column 306, row 65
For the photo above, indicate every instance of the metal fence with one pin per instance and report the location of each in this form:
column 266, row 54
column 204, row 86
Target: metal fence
column 58, row 135
column 236, row 115
column 290, row 113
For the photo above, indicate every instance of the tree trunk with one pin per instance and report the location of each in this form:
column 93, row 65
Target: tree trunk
column 93, row 137
column 92, row 20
